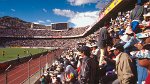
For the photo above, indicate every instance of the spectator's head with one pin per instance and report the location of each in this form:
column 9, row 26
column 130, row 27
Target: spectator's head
column 117, row 49
column 67, row 62
column 60, row 68
column 56, row 62
column 147, row 16
column 94, row 46
column 85, row 51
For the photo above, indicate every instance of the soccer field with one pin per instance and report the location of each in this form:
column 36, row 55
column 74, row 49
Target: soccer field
column 12, row 53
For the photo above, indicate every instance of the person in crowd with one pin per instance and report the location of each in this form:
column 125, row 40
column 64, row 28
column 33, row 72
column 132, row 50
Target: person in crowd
column 53, row 67
column 109, row 75
column 48, row 78
column 145, row 39
column 110, row 59
column 88, row 71
column 141, row 71
column 146, row 21
column 129, row 44
column 70, row 73
column 43, row 79
column 136, row 17
column 124, row 66
column 95, row 51
column 61, row 73
column 102, row 43
column 144, row 60
column 54, row 78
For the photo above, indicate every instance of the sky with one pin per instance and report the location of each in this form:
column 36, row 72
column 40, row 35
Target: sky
column 78, row 13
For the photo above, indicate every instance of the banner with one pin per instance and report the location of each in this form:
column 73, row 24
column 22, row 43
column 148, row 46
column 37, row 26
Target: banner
column 112, row 6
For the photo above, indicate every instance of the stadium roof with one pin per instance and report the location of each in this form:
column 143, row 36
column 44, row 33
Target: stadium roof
column 123, row 6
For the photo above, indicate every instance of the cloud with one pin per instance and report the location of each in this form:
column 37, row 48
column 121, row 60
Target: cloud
column 13, row 10
column 40, row 21
column 48, row 25
column 81, row 2
column 48, row 20
column 44, row 10
column 79, row 19
column 85, row 18
column 45, row 22
column 66, row 13
column 101, row 4
column 36, row 23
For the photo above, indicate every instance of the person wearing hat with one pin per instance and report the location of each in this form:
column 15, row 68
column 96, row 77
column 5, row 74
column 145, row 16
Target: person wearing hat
column 88, row 72
column 124, row 66
column 95, row 51
column 145, row 39
column 130, row 41
column 144, row 60
column 146, row 21
column 141, row 71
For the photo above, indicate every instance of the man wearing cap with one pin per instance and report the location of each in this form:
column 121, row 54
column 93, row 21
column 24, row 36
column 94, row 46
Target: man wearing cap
column 88, row 71
column 124, row 66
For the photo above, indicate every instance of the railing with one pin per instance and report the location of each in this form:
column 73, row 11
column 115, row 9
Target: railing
column 25, row 73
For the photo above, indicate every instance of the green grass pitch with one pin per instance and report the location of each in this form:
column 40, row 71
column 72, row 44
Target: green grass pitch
column 12, row 53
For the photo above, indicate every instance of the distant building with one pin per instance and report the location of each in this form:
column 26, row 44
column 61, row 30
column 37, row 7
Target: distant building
column 59, row 26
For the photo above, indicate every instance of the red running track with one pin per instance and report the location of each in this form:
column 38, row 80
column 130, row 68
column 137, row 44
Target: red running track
column 20, row 73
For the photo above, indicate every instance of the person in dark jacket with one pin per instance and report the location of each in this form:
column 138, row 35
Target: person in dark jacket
column 103, row 40
column 136, row 17
column 88, row 72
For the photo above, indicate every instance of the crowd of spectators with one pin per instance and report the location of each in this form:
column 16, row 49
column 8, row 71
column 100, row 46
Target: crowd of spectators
column 14, row 27
column 67, row 68
column 122, row 52
column 40, row 32
column 68, row 43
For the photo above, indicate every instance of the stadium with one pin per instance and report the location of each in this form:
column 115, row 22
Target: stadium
column 39, row 54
